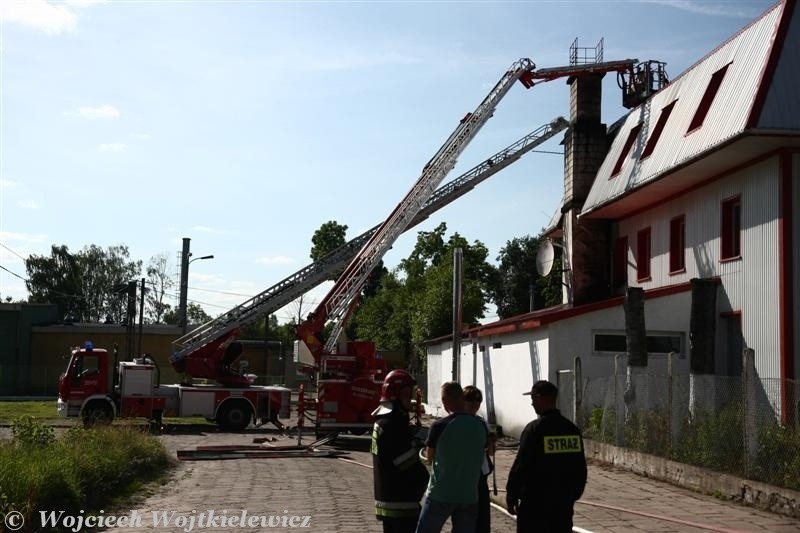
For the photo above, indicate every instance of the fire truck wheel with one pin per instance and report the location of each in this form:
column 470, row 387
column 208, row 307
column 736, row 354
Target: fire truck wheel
column 97, row 414
column 234, row 416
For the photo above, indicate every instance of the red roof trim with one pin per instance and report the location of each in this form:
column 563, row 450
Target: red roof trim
column 699, row 185
column 768, row 71
column 549, row 316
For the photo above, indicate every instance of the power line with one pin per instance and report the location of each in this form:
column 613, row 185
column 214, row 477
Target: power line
column 222, row 292
column 13, row 273
column 12, row 251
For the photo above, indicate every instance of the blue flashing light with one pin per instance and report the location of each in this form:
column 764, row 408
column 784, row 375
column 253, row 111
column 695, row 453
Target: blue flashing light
column 88, row 346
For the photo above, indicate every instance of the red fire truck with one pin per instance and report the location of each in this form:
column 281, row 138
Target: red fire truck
column 98, row 388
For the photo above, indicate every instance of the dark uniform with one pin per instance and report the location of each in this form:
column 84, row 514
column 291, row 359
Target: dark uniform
column 400, row 478
column 548, row 475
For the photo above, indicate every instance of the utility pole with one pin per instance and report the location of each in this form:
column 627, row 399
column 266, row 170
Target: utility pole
column 457, row 304
column 185, row 254
column 141, row 318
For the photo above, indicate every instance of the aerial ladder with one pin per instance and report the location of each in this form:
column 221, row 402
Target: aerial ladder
column 348, row 382
column 210, row 351
column 196, row 350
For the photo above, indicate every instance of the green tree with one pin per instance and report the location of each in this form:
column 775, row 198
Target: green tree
column 83, row 284
column 517, row 275
column 159, row 283
column 327, row 238
column 195, row 315
column 414, row 303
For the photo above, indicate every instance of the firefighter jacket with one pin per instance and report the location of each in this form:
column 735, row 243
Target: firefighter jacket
column 550, row 465
column 400, row 478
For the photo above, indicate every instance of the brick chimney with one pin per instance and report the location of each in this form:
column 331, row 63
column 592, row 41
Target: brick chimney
column 585, row 146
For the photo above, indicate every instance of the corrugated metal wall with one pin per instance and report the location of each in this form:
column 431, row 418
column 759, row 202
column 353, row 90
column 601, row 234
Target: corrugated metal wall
column 749, row 284
column 782, row 106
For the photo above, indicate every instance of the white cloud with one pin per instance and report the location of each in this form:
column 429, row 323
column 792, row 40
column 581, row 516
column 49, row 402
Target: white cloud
column 112, row 147
column 275, row 260
column 28, row 204
column 85, row 3
column 21, row 238
column 716, row 9
column 141, row 136
column 39, row 15
column 7, row 184
column 103, row 112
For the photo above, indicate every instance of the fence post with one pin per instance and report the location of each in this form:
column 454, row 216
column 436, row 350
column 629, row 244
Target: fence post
column 619, row 404
column 669, row 410
column 576, row 390
column 750, row 425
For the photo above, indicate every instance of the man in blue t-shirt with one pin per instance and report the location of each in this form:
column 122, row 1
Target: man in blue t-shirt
column 455, row 448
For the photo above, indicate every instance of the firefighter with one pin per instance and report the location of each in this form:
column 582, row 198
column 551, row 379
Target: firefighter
column 549, row 473
column 400, row 478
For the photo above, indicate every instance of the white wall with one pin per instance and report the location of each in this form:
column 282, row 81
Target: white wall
column 524, row 357
column 749, row 285
column 502, row 373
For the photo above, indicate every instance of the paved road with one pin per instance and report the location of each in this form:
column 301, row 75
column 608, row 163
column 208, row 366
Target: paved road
column 336, row 495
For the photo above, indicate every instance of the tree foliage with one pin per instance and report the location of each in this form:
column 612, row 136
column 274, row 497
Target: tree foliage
column 414, row 303
column 84, row 285
column 517, row 275
column 195, row 315
column 159, row 283
column 327, row 238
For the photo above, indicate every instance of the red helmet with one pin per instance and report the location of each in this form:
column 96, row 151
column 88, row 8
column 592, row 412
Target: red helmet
column 395, row 381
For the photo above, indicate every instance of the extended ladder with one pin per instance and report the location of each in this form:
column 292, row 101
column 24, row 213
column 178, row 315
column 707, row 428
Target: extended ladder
column 332, row 264
column 338, row 302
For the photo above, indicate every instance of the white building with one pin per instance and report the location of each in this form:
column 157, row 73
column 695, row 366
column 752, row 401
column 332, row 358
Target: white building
column 699, row 182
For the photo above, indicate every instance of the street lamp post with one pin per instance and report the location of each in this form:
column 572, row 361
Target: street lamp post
column 185, row 262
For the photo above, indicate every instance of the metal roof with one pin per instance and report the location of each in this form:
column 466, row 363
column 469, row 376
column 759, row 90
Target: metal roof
column 746, row 55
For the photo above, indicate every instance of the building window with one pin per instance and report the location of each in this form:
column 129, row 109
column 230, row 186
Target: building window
column 659, row 127
column 621, row 262
column 731, row 237
column 643, row 255
column 626, row 149
column 708, row 98
column 677, row 244
column 658, row 343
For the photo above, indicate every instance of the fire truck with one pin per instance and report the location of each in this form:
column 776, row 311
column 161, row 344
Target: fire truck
column 98, row 387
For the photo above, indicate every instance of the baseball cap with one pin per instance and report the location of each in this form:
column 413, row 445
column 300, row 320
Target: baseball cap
column 542, row 388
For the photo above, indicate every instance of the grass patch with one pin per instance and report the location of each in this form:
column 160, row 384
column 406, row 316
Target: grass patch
column 42, row 410
column 46, row 411
column 82, row 469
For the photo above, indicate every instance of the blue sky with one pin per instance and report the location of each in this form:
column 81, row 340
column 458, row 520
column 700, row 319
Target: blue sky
column 246, row 125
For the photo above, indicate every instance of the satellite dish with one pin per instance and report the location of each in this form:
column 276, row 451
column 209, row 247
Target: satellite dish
column 544, row 258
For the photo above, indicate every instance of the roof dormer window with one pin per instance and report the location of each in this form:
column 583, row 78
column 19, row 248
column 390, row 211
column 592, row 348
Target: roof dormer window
column 626, row 149
column 708, row 98
column 662, row 121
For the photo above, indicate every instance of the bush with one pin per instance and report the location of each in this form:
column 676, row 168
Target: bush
column 601, row 425
column 83, row 469
column 648, row 432
column 777, row 460
column 714, row 439
column 28, row 433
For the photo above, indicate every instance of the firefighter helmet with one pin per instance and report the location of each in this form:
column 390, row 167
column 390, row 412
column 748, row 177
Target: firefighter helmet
column 395, row 381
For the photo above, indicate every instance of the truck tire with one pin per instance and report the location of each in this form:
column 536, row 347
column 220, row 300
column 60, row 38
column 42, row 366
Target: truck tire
column 97, row 413
column 234, row 416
